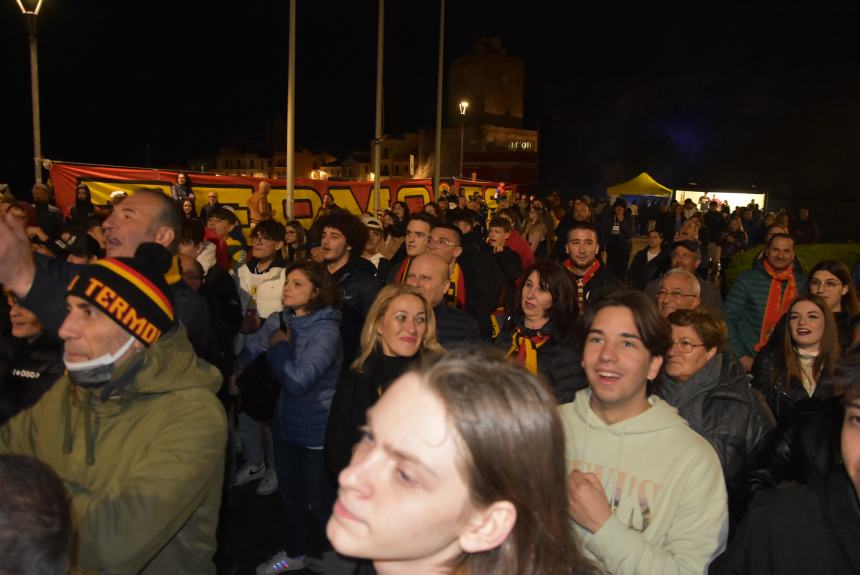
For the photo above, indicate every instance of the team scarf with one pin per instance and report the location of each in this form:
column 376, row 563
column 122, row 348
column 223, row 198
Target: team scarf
column 400, row 278
column 581, row 282
column 777, row 300
column 497, row 319
column 524, row 348
column 456, row 294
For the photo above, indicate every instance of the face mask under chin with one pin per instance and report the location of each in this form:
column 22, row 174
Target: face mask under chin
column 98, row 371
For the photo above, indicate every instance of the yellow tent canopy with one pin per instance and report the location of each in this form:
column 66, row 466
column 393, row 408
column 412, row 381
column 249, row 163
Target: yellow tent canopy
column 641, row 185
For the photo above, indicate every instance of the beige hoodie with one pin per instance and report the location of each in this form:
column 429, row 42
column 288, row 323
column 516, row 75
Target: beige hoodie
column 664, row 485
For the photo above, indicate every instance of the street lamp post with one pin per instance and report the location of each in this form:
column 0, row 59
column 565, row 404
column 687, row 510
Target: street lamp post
column 464, row 105
column 30, row 9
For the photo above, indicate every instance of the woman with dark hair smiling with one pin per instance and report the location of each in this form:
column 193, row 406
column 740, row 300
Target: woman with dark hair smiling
column 807, row 351
column 538, row 331
column 831, row 281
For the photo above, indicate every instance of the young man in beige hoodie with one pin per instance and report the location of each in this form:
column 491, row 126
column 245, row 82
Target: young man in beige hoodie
column 645, row 491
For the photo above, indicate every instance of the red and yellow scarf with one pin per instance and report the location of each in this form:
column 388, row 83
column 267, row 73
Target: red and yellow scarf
column 581, row 282
column 456, row 294
column 524, row 349
column 777, row 300
column 400, row 278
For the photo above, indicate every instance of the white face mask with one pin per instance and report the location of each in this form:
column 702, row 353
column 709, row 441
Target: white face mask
column 98, row 370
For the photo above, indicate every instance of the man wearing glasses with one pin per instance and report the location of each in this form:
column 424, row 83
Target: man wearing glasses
column 679, row 289
column 687, row 255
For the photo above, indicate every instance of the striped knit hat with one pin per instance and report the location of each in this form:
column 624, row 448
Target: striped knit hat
column 133, row 292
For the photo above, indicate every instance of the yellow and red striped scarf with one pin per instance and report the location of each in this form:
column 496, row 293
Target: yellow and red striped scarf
column 524, row 349
column 777, row 300
column 581, row 282
column 456, row 294
column 400, row 278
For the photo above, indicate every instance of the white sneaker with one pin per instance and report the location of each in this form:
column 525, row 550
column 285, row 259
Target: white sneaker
column 249, row 473
column 280, row 563
column 269, row 484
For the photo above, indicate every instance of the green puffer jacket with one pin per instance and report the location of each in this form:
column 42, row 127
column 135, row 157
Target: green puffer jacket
column 142, row 458
column 744, row 307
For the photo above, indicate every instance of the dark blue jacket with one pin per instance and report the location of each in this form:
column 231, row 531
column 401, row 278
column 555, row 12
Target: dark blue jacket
column 308, row 369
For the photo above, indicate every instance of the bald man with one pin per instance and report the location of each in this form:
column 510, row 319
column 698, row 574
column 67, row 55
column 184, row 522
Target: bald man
column 430, row 273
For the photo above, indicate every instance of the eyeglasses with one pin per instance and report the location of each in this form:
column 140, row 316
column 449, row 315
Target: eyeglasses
column 444, row 242
column 685, row 345
column 827, row 285
column 672, row 294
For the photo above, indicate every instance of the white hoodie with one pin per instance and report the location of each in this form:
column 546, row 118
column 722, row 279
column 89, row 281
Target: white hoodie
column 664, row 485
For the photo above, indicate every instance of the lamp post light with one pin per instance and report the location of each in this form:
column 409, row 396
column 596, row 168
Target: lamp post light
column 464, row 105
column 30, row 9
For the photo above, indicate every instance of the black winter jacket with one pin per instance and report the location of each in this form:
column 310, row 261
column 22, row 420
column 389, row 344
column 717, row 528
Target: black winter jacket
column 803, row 529
column 602, row 282
column 804, row 449
column 558, row 359
column 359, row 288
column 355, row 394
column 641, row 271
column 33, row 369
column 454, row 327
column 770, row 381
column 722, row 407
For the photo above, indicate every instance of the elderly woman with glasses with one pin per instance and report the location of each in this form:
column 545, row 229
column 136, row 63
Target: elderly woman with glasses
column 716, row 401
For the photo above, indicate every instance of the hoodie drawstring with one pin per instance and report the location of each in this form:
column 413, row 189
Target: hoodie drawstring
column 89, row 439
column 88, row 431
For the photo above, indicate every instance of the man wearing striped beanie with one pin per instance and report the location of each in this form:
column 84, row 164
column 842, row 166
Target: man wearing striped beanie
column 134, row 428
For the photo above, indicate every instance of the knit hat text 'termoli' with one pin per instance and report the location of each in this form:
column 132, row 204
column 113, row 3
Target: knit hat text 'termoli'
column 130, row 291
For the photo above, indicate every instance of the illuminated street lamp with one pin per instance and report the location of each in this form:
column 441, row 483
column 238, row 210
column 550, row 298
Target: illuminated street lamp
column 464, row 105
column 30, row 9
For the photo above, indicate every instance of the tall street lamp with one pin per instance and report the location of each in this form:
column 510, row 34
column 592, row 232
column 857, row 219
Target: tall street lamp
column 30, row 9
column 464, row 105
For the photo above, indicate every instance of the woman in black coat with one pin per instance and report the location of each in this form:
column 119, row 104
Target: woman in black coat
column 790, row 369
column 538, row 331
column 399, row 328
column 717, row 402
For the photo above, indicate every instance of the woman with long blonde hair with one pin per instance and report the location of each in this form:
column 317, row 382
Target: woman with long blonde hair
column 399, row 329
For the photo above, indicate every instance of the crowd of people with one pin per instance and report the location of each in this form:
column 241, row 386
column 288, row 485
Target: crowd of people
column 449, row 388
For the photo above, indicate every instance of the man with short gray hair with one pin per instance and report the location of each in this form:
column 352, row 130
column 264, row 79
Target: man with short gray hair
column 687, row 255
column 679, row 289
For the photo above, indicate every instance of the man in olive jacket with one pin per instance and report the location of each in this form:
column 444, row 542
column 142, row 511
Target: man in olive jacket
column 133, row 428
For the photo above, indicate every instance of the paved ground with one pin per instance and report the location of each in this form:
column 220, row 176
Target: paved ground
column 250, row 530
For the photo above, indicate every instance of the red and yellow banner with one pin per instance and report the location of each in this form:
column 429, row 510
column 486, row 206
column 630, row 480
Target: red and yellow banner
column 357, row 197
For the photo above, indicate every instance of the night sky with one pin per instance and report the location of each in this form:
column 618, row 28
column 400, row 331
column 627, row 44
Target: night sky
column 751, row 94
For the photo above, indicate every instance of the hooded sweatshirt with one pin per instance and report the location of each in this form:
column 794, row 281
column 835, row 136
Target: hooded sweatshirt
column 142, row 458
column 664, row 485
